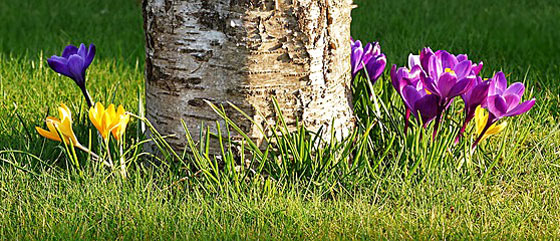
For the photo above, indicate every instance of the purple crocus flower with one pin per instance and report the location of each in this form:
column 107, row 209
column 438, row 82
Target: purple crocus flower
column 356, row 57
column 446, row 76
column 376, row 66
column 476, row 68
column 404, row 76
column 73, row 64
column 474, row 97
column 504, row 101
column 420, row 103
column 368, row 57
column 425, row 55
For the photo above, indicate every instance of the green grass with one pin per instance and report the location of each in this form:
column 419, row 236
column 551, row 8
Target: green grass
column 508, row 190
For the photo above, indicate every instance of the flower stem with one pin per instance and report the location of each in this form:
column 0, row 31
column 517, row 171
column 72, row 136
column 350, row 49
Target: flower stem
column 467, row 120
column 87, row 97
column 93, row 155
column 109, row 153
column 438, row 119
column 406, row 120
column 122, row 162
column 482, row 134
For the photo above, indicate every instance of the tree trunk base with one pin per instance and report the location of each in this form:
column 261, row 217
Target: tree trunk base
column 246, row 52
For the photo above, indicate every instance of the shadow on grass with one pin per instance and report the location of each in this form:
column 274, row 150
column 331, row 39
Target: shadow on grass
column 29, row 27
column 32, row 30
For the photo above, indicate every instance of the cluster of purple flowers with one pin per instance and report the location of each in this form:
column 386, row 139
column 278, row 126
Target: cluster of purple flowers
column 369, row 59
column 433, row 80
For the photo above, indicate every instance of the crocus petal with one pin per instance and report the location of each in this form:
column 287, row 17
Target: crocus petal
column 76, row 68
column 447, row 59
column 429, row 84
column 467, row 97
column 60, row 129
column 495, row 129
column 65, row 128
column 394, row 79
column 415, row 72
column 411, row 96
column 479, row 81
column 375, row 68
column 478, row 94
column 59, row 65
column 462, row 57
column 52, row 125
column 120, row 129
column 82, row 51
column 512, row 101
column 497, row 106
column 401, row 73
column 515, row 89
column 65, row 112
column 463, row 69
column 445, row 84
column 89, row 56
column 47, row 134
column 498, row 84
column 427, row 106
column 480, row 120
column 120, row 123
column 368, row 53
column 376, row 49
column 477, row 68
column 357, row 44
column 59, row 59
column 368, row 48
column 357, row 60
column 120, row 110
column 413, row 60
column 435, row 67
column 425, row 56
column 522, row 108
column 96, row 116
column 461, row 87
column 110, row 120
column 69, row 50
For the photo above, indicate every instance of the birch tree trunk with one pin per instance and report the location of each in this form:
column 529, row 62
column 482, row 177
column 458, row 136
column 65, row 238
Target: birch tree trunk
column 245, row 52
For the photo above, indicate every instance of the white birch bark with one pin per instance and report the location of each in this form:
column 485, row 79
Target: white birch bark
column 245, row 52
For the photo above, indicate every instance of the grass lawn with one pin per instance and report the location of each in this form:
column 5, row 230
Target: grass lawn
column 509, row 191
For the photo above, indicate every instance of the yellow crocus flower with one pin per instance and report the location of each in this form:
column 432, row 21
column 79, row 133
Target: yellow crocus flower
column 120, row 127
column 62, row 126
column 109, row 120
column 481, row 118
